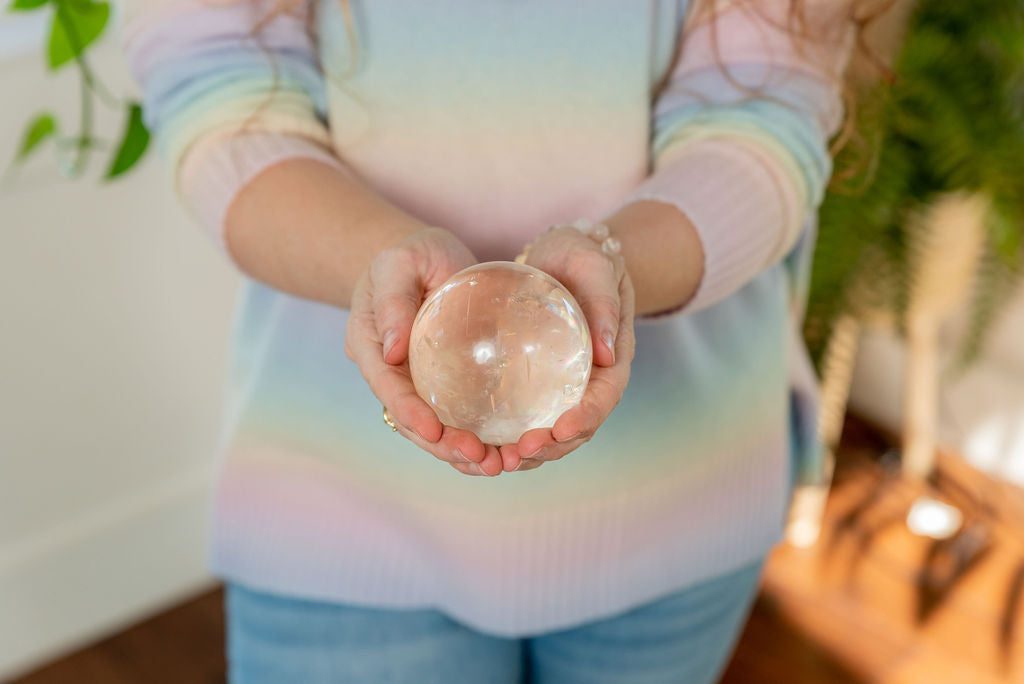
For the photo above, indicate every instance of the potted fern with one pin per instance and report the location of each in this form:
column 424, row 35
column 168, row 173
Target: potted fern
column 925, row 209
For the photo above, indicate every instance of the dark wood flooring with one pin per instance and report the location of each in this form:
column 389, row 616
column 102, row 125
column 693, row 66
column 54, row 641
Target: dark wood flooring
column 869, row 603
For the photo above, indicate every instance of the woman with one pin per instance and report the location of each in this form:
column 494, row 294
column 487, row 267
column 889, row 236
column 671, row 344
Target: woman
column 349, row 157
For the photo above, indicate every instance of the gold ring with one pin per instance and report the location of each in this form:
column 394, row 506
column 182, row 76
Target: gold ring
column 388, row 420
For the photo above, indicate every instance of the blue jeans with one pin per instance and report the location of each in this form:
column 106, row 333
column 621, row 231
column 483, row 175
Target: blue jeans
column 685, row 637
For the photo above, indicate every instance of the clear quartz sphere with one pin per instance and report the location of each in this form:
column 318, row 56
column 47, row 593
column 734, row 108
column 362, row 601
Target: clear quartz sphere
column 500, row 348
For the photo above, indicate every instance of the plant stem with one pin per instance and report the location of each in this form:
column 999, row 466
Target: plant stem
column 85, row 128
column 86, row 71
column 94, row 83
column 85, row 122
column 95, row 143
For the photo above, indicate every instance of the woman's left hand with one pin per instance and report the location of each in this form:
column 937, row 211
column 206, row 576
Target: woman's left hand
column 600, row 283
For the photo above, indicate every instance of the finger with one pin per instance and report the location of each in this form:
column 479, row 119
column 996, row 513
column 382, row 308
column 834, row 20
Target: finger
column 392, row 385
column 457, row 446
column 606, row 385
column 397, row 289
column 491, row 463
column 625, row 342
column 468, row 444
column 447, row 449
column 540, row 444
column 490, row 466
column 593, row 278
column 531, row 441
column 603, row 393
column 601, row 303
column 510, row 458
column 557, row 450
column 529, row 464
column 577, row 425
column 468, row 468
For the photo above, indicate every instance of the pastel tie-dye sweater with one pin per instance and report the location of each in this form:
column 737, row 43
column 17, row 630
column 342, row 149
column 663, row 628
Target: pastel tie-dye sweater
column 496, row 119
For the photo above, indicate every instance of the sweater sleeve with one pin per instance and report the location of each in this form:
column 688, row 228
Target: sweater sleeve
column 229, row 88
column 740, row 134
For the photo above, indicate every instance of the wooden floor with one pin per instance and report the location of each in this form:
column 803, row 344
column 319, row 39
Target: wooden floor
column 869, row 603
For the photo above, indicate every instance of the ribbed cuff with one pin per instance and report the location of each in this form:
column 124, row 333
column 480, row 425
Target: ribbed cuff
column 742, row 203
column 215, row 171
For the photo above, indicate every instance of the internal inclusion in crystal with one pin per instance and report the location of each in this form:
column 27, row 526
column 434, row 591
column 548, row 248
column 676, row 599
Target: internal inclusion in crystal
column 499, row 349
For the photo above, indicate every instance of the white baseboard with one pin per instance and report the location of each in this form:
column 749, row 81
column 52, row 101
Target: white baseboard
column 94, row 575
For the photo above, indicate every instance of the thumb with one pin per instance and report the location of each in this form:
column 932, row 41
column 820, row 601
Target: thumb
column 397, row 294
column 593, row 278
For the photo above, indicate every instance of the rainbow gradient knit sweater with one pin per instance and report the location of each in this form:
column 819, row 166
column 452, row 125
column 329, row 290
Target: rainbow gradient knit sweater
column 497, row 119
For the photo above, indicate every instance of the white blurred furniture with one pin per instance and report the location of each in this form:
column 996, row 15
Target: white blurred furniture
column 981, row 413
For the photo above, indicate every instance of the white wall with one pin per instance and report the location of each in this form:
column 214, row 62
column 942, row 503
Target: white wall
column 115, row 312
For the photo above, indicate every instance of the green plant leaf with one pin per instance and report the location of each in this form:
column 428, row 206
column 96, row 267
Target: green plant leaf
column 133, row 145
column 76, row 24
column 39, row 129
column 26, row 5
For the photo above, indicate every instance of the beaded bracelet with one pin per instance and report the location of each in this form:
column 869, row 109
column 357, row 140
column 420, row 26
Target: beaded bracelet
column 598, row 232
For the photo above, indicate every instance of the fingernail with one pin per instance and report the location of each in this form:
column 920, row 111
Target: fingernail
column 518, row 465
column 390, row 337
column 609, row 341
column 571, row 437
column 458, row 455
column 539, row 453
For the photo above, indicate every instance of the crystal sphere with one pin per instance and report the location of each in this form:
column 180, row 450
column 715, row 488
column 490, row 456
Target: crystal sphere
column 500, row 348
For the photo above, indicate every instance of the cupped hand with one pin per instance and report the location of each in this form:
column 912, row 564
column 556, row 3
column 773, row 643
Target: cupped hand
column 384, row 303
column 601, row 285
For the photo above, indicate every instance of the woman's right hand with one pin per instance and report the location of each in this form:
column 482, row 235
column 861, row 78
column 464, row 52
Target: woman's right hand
column 384, row 304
